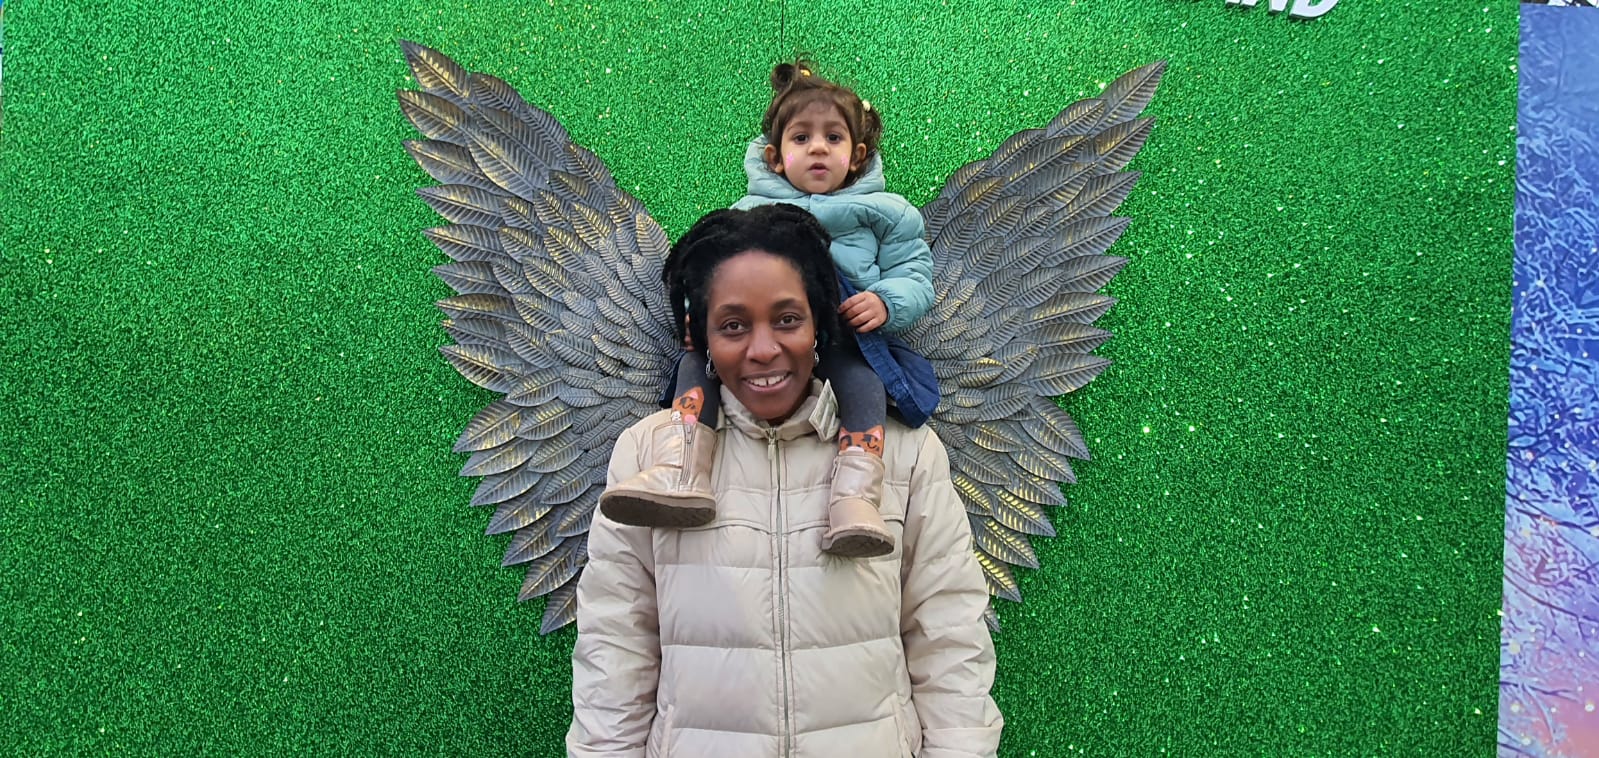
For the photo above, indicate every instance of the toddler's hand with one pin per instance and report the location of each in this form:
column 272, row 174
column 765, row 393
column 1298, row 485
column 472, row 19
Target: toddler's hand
column 864, row 311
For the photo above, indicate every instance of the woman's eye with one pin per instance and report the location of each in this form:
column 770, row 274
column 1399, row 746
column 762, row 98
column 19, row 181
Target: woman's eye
column 790, row 320
column 731, row 327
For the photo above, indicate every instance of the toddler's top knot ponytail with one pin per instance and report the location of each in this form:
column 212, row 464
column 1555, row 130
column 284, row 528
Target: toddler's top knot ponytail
column 783, row 76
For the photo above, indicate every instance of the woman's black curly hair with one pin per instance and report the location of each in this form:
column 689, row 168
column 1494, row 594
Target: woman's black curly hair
column 783, row 230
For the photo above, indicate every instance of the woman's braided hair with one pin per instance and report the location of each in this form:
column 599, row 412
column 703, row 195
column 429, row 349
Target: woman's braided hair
column 783, row 230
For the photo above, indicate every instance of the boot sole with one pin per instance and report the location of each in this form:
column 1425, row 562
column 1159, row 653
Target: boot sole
column 638, row 510
column 859, row 545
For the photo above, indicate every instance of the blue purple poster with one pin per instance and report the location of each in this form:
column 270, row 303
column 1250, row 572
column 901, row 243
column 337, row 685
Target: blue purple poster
column 1549, row 675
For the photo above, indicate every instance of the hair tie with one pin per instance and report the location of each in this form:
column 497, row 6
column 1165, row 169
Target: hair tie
column 866, row 105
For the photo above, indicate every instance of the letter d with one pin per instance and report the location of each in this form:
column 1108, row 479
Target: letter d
column 1311, row 9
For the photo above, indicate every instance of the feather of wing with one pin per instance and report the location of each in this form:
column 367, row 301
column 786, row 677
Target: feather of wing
column 507, row 163
column 479, row 331
column 565, row 485
column 1131, row 92
column 463, row 204
column 1009, row 546
column 998, row 438
column 1054, row 429
column 468, row 243
column 498, row 488
column 535, row 388
column 434, row 116
column 539, row 312
column 979, row 497
column 596, row 171
column 1022, row 516
column 435, row 72
column 449, row 163
column 494, row 425
column 1074, row 307
column 560, row 608
column 1078, row 119
column 579, row 514
column 517, row 513
column 487, row 367
column 1001, row 581
column 497, row 460
column 1101, row 195
column 530, row 542
column 1042, row 492
column 470, row 277
column 545, row 421
column 1115, row 147
column 554, row 568
column 1044, row 464
column 1062, row 373
column 984, row 466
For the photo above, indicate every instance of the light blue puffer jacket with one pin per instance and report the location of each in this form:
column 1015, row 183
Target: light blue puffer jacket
column 877, row 235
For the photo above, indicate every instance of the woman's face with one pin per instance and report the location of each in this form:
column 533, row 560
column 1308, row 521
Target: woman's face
column 760, row 332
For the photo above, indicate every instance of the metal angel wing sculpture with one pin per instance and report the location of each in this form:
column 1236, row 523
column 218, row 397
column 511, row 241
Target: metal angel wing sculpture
column 560, row 309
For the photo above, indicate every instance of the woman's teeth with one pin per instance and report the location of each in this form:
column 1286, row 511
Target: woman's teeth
column 766, row 381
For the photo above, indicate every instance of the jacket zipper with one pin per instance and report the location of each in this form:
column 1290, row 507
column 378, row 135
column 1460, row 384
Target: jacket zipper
column 782, row 586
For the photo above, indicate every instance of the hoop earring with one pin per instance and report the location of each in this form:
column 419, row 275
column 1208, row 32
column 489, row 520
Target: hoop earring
column 710, row 371
column 816, row 357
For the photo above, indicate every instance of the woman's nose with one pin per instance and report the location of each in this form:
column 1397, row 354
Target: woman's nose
column 764, row 347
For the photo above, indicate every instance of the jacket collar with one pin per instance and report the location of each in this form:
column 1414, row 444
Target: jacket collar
column 764, row 182
column 818, row 415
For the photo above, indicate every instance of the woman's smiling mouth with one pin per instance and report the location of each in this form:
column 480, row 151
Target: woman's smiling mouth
column 767, row 382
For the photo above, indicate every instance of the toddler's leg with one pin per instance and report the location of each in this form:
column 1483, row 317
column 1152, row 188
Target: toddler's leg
column 674, row 488
column 855, row 528
column 699, row 397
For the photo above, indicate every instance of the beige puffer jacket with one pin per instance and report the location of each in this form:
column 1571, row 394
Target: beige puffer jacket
column 741, row 639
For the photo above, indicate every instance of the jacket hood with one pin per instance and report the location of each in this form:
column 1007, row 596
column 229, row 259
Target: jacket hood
column 768, row 183
column 817, row 414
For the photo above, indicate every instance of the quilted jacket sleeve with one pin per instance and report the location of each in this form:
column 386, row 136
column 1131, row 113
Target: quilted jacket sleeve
column 906, row 262
column 948, row 650
column 617, row 659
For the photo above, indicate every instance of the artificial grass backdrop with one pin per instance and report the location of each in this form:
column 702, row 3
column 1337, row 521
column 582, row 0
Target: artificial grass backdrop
column 232, row 519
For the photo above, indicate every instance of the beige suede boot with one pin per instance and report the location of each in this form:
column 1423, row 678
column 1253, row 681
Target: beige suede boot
column 676, row 491
column 855, row 528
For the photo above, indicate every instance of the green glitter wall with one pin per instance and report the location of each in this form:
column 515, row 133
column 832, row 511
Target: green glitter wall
column 232, row 522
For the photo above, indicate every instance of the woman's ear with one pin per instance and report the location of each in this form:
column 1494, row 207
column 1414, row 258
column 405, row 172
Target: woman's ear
column 859, row 159
column 774, row 161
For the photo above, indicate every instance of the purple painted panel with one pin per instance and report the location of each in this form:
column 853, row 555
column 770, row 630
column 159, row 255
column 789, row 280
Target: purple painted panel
column 1549, row 655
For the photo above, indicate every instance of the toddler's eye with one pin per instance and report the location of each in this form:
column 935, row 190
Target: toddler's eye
column 835, row 138
column 799, row 139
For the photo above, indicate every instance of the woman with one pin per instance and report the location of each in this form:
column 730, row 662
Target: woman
column 742, row 638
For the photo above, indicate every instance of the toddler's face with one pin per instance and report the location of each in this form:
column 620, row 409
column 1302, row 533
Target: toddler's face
column 815, row 152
